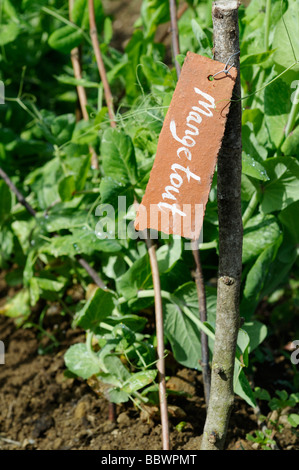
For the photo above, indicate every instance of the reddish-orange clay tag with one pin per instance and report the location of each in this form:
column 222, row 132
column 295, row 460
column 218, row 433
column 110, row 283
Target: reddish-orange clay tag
column 181, row 177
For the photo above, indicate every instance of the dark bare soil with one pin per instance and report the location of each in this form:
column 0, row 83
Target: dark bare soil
column 40, row 408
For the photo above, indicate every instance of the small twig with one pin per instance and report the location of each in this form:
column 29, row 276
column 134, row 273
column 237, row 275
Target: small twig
column 75, row 58
column 180, row 13
column 10, row 441
column 92, row 273
column 160, row 342
column 15, row 190
column 206, row 375
column 174, row 35
column 100, row 63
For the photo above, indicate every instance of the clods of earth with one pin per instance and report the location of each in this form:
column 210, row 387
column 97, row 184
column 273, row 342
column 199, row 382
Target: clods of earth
column 41, row 408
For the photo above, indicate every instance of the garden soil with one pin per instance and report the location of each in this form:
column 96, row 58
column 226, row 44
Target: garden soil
column 41, row 408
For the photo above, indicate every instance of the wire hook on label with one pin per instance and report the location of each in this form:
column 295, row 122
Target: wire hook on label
column 226, row 70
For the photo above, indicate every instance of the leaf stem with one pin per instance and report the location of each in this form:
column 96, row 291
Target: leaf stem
column 267, row 23
column 293, row 114
column 250, row 208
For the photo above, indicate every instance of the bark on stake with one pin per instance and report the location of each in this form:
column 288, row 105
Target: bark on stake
column 226, row 43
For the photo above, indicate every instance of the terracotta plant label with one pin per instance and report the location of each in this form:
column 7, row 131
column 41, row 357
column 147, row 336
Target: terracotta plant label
column 181, row 177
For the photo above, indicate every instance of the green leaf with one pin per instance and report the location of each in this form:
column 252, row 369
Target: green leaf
column 286, row 41
column 262, row 394
column 139, row 380
column 138, row 277
column 81, row 362
column 291, row 144
column 135, row 322
column 259, row 232
column 62, row 218
column 80, row 13
column 293, row 419
column 65, row 39
column 96, row 309
column 115, row 395
column 85, row 133
column 49, row 284
column 256, row 331
column 205, row 47
column 115, row 367
column 68, row 80
column 62, row 128
column 243, row 388
column 8, row 33
column 277, row 107
column 253, row 168
column 289, row 218
column 6, row 201
column 80, row 167
column 82, row 241
column 168, row 255
column 18, row 307
column 257, row 278
column 252, row 59
column 156, row 72
column 283, row 187
column 66, row 188
column 44, row 182
column 153, row 13
column 118, row 156
column 34, row 291
column 243, row 346
column 108, row 30
column 111, row 189
column 183, row 335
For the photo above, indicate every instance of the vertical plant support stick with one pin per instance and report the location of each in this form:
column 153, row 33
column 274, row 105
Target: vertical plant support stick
column 174, row 35
column 100, row 63
column 75, row 58
column 202, row 305
column 226, row 43
column 160, row 342
column 195, row 251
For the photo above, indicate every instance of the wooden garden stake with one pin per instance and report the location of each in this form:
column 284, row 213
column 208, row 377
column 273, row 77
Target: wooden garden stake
column 160, row 343
column 226, row 43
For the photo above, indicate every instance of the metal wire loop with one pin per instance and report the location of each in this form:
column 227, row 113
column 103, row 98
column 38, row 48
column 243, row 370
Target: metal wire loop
column 226, row 70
